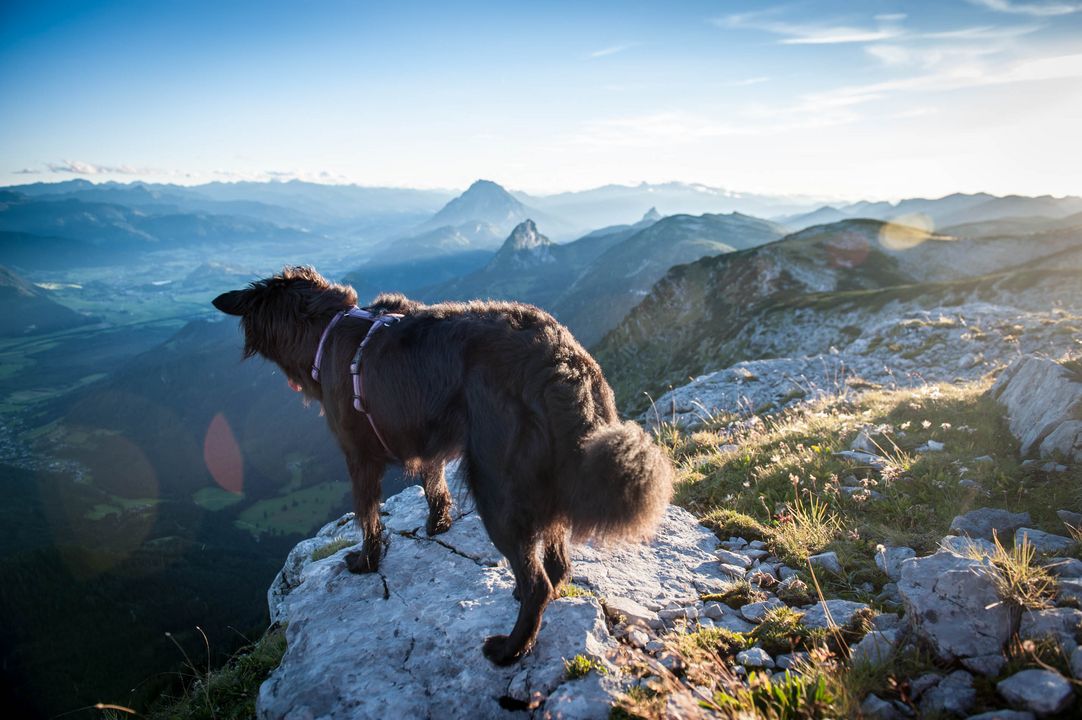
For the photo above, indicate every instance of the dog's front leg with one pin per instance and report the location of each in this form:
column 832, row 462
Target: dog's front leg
column 366, row 476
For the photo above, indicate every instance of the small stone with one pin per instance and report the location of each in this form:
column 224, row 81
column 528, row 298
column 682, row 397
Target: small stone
column 841, row 611
column 987, row 665
column 1044, row 542
column 1067, row 567
column 967, row 546
column 827, row 561
column 757, row 545
column 981, row 523
column 971, row 484
column 785, row 572
column 733, row 558
column 876, row 708
column 671, row 661
column 1040, row 691
column 887, row 621
column 850, row 481
column 923, row 683
column 654, row 646
column 1058, row 623
column 638, row 638
column 735, row 543
column 787, row 661
column 1069, row 590
column 889, row 559
column 931, row 446
column 875, row 648
column 735, row 571
column 755, row 611
column 632, row 611
column 1003, row 715
column 754, row 658
column 953, row 695
column 1053, row 467
column 1071, row 518
column 734, row 623
column 757, row 554
column 714, row 610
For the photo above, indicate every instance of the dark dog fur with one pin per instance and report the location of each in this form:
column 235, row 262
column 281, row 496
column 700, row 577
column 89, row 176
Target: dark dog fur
column 500, row 385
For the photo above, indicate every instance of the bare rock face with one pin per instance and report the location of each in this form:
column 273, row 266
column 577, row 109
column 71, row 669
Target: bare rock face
column 406, row 641
column 1044, row 406
column 952, row 603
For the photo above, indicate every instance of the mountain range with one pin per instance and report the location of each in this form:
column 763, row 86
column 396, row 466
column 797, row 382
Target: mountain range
column 727, row 308
column 945, row 212
column 28, row 310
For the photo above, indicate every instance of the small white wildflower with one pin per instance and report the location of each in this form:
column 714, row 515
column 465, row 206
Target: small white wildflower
column 925, row 424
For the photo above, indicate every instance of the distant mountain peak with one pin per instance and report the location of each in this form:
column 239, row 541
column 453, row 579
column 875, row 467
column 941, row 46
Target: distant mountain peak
column 525, row 247
column 484, row 200
column 525, row 237
column 652, row 215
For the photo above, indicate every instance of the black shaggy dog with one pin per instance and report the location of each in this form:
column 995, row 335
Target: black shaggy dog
column 500, row 385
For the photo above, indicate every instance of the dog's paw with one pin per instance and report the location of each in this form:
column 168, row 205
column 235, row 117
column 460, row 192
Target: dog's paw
column 438, row 523
column 360, row 562
column 498, row 649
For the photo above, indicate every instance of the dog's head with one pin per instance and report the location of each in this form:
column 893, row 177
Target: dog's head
column 280, row 314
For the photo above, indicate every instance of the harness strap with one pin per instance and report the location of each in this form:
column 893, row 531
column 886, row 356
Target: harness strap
column 360, row 403
column 378, row 320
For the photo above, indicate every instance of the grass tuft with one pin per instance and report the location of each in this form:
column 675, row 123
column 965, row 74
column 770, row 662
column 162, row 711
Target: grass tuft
column 322, row 553
column 581, row 665
column 230, row 692
column 1018, row 579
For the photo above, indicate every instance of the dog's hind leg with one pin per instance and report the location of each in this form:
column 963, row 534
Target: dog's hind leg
column 439, row 498
column 536, row 591
column 365, row 477
column 557, row 558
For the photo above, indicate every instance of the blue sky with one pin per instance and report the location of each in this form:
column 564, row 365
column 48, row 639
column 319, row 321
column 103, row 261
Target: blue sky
column 846, row 99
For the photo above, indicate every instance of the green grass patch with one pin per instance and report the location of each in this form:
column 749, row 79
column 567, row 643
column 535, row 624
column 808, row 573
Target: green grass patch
column 215, row 498
column 571, row 590
column 331, row 548
column 581, row 665
column 299, row 511
column 228, row 693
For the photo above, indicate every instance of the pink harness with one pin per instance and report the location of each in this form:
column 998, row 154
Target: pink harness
column 378, row 320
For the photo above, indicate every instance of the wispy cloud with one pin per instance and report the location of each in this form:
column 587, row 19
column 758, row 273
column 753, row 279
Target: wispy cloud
column 77, row 167
column 812, row 33
column 748, row 81
column 26, row 171
column 1036, row 9
column 612, row 50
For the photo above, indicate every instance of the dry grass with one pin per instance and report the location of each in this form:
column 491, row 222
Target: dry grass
column 1018, row 579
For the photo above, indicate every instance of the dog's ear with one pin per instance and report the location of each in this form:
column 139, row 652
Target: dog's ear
column 234, row 302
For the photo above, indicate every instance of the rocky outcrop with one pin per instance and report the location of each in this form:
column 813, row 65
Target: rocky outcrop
column 906, row 349
column 409, row 637
column 1044, row 406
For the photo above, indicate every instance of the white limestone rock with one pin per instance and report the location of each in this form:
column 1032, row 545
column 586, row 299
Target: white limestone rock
column 952, row 603
column 409, row 636
column 1042, row 692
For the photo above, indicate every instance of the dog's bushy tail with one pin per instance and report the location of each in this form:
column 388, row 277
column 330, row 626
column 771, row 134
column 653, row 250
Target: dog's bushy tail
column 623, row 485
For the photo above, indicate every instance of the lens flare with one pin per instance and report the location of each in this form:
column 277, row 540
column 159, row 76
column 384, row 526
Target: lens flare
column 906, row 231
column 222, row 455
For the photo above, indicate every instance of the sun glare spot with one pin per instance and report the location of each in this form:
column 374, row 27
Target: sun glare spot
column 906, row 231
column 222, row 455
